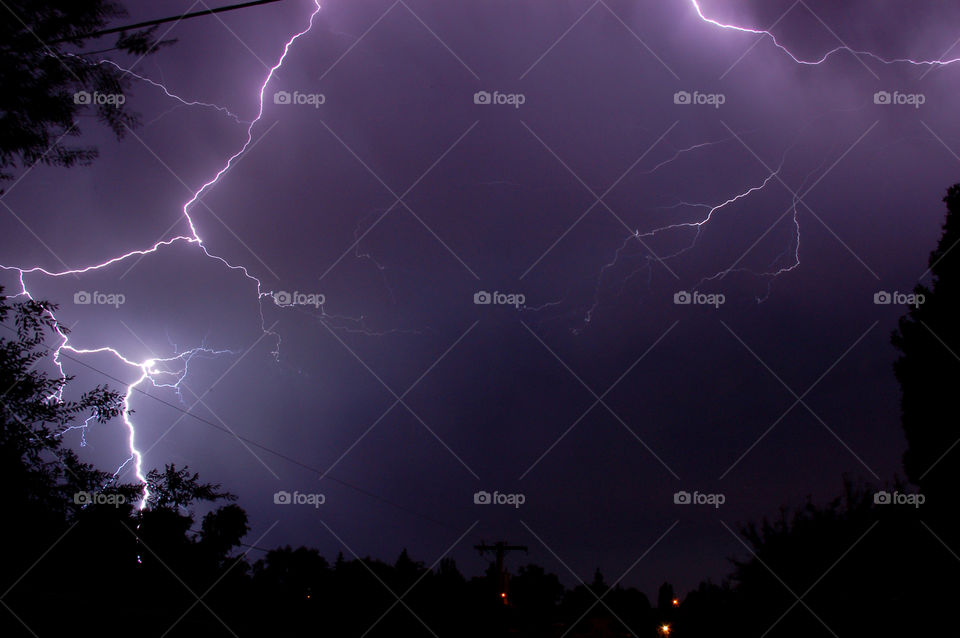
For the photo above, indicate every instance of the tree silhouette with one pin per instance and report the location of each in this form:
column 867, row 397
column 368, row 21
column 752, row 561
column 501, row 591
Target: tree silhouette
column 47, row 79
column 858, row 568
column 176, row 489
column 665, row 598
column 928, row 370
column 45, row 509
column 65, row 549
column 222, row 530
column 44, row 475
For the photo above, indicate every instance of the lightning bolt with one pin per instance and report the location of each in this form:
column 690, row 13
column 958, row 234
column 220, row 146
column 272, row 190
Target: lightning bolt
column 154, row 83
column 791, row 254
column 697, row 226
column 771, row 275
column 149, row 370
column 828, row 54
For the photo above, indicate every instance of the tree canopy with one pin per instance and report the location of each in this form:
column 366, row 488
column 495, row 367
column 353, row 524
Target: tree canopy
column 50, row 82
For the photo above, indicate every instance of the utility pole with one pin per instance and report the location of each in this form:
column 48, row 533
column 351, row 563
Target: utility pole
column 500, row 548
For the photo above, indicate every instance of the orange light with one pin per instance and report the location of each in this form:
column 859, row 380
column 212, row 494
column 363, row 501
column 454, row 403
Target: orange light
column 503, row 594
column 676, row 603
column 665, row 630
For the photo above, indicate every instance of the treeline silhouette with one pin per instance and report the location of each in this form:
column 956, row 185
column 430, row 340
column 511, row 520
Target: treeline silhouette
column 80, row 557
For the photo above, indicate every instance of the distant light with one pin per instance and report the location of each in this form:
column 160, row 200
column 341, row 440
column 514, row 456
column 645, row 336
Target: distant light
column 503, row 594
column 676, row 603
column 665, row 630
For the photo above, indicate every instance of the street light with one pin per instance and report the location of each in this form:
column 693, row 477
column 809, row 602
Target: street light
column 664, row 630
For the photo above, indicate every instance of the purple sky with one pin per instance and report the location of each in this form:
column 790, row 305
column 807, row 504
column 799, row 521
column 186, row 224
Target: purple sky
column 498, row 200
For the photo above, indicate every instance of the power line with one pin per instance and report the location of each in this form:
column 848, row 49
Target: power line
column 150, row 23
column 260, row 446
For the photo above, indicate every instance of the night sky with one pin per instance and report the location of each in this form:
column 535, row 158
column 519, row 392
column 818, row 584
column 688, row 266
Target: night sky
column 399, row 198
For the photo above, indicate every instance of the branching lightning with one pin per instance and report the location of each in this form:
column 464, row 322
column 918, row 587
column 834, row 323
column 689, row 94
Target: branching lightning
column 787, row 260
column 157, row 371
column 162, row 87
column 170, row 372
column 842, row 48
column 696, row 226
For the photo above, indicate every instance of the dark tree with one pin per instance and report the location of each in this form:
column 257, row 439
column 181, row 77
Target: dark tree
column 49, row 81
column 178, row 489
column 928, row 370
column 536, row 591
column 166, row 525
column 46, row 512
column 42, row 476
column 860, row 568
column 665, row 597
column 222, row 530
column 64, row 550
column 705, row 609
